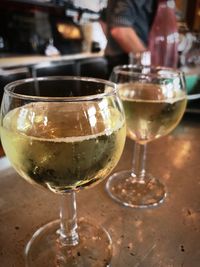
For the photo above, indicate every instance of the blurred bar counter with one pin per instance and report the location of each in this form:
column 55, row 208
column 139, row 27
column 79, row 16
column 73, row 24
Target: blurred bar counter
column 79, row 64
column 165, row 236
column 29, row 60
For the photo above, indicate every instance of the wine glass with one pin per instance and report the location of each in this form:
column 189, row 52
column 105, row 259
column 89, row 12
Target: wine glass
column 154, row 100
column 64, row 134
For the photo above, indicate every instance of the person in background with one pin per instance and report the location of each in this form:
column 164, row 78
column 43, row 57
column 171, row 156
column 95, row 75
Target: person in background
column 126, row 24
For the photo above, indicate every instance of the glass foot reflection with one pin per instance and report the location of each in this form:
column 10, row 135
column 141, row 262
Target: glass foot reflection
column 94, row 248
column 131, row 192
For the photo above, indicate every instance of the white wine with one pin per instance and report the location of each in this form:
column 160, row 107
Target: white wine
column 63, row 147
column 151, row 112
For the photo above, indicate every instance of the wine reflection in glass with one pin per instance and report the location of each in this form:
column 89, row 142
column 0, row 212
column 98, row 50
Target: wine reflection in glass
column 64, row 134
column 154, row 100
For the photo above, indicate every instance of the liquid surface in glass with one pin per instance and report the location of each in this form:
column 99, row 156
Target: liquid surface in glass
column 151, row 110
column 64, row 146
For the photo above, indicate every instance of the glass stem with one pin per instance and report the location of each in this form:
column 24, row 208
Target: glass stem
column 68, row 220
column 139, row 159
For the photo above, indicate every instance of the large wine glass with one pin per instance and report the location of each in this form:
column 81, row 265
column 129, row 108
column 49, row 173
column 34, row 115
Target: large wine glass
column 154, row 100
column 64, row 134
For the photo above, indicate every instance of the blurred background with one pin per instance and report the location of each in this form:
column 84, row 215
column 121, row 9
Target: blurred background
column 28, row 26
column 65, row 37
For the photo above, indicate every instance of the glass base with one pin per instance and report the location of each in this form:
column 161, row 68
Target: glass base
column 44, row 248
column 127, row 190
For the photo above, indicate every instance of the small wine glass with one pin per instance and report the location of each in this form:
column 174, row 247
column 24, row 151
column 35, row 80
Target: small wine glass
column 154, row 100
column 64, row 134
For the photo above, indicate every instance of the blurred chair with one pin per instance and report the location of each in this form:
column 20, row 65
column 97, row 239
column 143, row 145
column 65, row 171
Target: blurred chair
column 8, row 75
column 53, row 69
column 93, row 67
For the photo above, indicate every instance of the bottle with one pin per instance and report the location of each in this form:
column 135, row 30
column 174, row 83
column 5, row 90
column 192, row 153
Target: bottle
column 164, row 37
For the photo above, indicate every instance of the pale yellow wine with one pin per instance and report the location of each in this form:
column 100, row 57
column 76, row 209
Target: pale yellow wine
column 63, row 147
column 150, row 112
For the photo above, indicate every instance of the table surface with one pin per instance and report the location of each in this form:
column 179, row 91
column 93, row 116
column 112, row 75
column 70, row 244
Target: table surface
column 165, row 236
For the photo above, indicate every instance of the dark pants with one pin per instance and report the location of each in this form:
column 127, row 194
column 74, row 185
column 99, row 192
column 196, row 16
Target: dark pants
column 113, row 61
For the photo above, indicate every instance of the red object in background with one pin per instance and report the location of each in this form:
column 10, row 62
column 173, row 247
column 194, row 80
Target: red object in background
column 163, row 37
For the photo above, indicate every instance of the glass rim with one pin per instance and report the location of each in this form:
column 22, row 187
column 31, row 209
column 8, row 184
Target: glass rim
column 9, row 88
column 170, row 72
